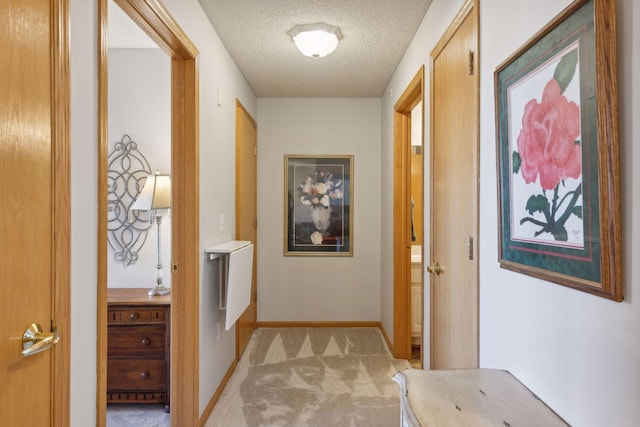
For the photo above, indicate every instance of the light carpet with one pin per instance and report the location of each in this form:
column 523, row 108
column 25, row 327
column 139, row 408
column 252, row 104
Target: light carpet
column 137, row 415
column 312, row 377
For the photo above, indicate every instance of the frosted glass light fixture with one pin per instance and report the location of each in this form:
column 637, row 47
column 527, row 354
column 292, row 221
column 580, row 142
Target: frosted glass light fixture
column 316, row 40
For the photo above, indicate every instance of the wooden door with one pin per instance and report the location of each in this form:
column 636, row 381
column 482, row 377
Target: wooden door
column 454, row 195
column 34, row 213
column 246, row 213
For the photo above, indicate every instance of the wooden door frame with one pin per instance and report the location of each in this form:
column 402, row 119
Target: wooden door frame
column 61, row 214
column 158, row 23
column 412, row 95
column 465, row 10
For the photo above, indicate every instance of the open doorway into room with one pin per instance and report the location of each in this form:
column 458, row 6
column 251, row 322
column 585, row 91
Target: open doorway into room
column 408, row 208
column 417, row 234
column 138, row 225
column 166, row 358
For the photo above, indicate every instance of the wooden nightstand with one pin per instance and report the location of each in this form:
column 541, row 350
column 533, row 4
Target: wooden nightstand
column 138, row 348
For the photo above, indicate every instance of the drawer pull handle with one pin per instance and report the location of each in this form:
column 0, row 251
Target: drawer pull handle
column 133, row 316
column 145, row 341
column 144, row 375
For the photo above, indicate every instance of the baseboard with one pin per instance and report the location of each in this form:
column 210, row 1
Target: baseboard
column 373, row 324
column 214, row 399
column 386, row 337
column 313, row 324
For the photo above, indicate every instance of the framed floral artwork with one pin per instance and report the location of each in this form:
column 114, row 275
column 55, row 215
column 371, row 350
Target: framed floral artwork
column 557, row 150
column 318, row 205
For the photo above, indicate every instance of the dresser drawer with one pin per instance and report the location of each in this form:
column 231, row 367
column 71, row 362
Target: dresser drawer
column 137, row 341
column 136, row 315
column 135, row 375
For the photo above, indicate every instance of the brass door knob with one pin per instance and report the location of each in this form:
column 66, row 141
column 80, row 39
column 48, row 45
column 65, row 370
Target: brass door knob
column 436, row 269
column 36, row 340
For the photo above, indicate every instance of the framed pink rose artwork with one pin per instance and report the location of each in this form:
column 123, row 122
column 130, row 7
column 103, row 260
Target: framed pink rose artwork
column 318, row 205
column 557, row 153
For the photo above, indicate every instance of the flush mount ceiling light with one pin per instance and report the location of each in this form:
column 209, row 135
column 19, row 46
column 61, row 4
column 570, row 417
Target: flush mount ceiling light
column 316, row 40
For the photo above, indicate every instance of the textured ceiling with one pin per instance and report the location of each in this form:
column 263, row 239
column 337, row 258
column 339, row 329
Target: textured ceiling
column 376, row 35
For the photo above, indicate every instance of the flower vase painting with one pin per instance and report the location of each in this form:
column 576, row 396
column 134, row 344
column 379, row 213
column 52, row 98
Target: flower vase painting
column 557, row 151
column 318, row 211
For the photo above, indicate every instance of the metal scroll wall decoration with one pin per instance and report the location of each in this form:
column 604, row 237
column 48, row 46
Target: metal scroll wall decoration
column 126, row 229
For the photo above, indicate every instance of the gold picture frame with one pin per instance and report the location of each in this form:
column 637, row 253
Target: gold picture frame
column 318, row 205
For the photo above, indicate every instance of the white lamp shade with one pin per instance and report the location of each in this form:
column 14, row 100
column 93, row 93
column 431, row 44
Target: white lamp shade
column 156, row 193
column 316, row 40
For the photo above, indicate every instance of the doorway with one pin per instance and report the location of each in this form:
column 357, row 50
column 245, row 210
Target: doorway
column 158, row 24
column 408, row 208
column 417, row 235
column 454, row 194
column 139, row 224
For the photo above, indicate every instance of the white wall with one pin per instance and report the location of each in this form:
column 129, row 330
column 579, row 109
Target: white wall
column 84, row 209
column 217, row 139
column 577, row 352
column 319, row 288
column 217, row 172
column 140, row 107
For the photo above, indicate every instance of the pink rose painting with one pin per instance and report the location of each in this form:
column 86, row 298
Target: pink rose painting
column 549, row 153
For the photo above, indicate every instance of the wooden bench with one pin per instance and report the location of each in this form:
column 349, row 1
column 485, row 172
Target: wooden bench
column 470, row 397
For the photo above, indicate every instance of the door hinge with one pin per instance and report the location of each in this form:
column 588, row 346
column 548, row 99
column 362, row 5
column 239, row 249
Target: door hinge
column 471, row 62
column 255, row 223
column 470, row 247
column 255, row 150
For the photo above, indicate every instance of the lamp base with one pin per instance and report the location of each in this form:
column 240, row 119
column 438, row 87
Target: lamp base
column 159, row 290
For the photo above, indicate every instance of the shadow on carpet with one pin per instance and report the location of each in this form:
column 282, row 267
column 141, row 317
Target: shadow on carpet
column 312, row 377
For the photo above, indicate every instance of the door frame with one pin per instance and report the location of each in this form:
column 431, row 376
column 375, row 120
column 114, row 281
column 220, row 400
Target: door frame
column 157, row 23
column 412, row 95
column 61, row 214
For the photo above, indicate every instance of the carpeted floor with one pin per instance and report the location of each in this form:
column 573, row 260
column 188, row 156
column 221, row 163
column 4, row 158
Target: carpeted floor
column 312, row 377
column 137, row 415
